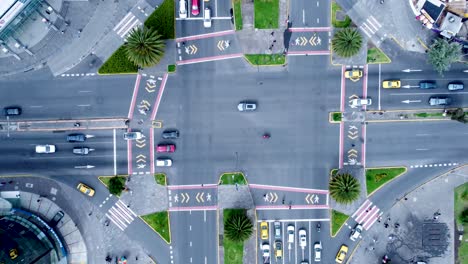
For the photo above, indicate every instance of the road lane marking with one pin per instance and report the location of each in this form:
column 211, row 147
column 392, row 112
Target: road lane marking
column 36, row 106
column 115, row 154
column 404, row 94
column 422, row 149
column 84, row 105
column 309, row 29
column 422, row 135
column 208, row 35
column 68, row 157
column 134, row 96
column 212, row 58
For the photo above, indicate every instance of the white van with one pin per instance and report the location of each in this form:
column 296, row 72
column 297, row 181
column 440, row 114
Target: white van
column 207, row 17
column 182, row 9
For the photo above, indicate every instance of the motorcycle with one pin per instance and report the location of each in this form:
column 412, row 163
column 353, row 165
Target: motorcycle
column 318, row 227
column 266, row 136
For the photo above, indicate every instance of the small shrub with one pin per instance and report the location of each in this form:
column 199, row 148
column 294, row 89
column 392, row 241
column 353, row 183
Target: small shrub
column 116, row 185
column 171, row 68
column 380, row 176
column 464, row 216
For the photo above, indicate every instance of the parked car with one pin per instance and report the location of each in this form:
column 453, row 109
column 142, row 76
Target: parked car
column 318, row 251
column 182, row 9
column 454, row 86
column 277, row 226
column 56, row 219
column 361, row 102
column 163, row 162
column 207, row 18
column 264, row 230
column 85, row 189
column 391, row 84
column 290, row 232
column 133, row 135
column 81, row 150
column 302, row 238
column 354, row 74
column 77, row 137
column 265, row 250
column 356, row 232
column 12, row 111
column 439, row 101
column 427, row 85
column 278, row 249
column 341, row 255
column 45, row 149
column 195, row 9
column 165, row 148
column 247, row 106
column 170, row 134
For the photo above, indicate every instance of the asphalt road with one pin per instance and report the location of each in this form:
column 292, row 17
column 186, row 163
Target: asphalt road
column 304, row 13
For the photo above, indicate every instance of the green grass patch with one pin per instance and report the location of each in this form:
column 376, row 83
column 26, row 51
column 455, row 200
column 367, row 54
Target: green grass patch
column 337, row 116
column 339, row 23
column 118, row 63
column 233, row 178
column 378, row 177
column 159, row 221
column 238, row 14
column 461, row 203
column 162, row 19
column 428, row 114
column 171, row 68
column 266, row 13
column 375, row 55
column 333, row 172
column 338, row 219
column 233, row 251
column 160, row 179
column 266, row 59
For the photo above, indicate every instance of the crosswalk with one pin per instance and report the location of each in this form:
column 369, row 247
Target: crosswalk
column 125, row 25
column 121, row 215
column 370, row 26
column 367, row 214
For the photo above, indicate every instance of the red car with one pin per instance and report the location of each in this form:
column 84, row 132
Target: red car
column 195, row 10
column 165, row 148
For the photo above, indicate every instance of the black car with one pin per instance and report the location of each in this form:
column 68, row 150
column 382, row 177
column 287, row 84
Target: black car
column 12, row 111
column 76, row 137
column 170, row 134
column 58, row 216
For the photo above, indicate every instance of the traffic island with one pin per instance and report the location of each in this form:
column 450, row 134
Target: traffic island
column 339, row 18
column 232, row 178
column 377, row 56
column 455, row 114
column 159, row 222
column 115, row 184
column 335, row 117
column 118, row 63
column 237, row 229
column 266, row 14
column 376, row 178
column 337, row 221
column 266, row 59
column 160, row 179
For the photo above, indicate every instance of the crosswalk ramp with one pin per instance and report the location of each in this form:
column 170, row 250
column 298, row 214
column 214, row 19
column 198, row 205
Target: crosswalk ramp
column 121, row 215
column 370, row 26
column 127, row 23
column 367, row 214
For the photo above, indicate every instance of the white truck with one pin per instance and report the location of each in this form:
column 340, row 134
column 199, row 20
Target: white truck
column 266, row 253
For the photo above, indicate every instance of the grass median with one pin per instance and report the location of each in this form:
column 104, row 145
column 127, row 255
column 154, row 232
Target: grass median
column 376, row 56
column 266, row 59
column 233, row 251
column 118, row 63
column 339, row 23
column 428, row 115
column 461, row 204
column 159, row 221
column 266, row 13
column 238, row 14
column 233, row 178
column 375, row 178
column 338, row 219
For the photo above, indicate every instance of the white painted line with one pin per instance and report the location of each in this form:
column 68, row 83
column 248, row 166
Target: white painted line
column 422, row 135
column 370, row 23
column 84, row 105
column 122, row 21
column 117, row 224
column 36, row 106
column 361, row 207
column 115, row 154
column 117, row 218
column 125, row 26
column 365, row 31
column 318, row 20
column 121, row 215
column 375, row 21
column 380, row 88
column 422, row 149
column 204, row 216
column 369, row 28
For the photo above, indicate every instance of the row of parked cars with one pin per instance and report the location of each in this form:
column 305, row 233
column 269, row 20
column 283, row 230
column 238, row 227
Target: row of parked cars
column 195, row 11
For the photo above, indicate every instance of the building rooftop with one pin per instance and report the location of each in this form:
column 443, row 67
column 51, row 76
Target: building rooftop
column 451, row 25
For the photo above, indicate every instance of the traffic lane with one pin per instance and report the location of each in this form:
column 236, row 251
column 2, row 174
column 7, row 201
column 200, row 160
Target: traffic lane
column 420, row 100
column 187, row 230
column 309, row 13
column 211, row 126
column 209, row 47
column 64, row 98
column 282, row 196
column 221, row 8
column 194, row 26
column 415, row 143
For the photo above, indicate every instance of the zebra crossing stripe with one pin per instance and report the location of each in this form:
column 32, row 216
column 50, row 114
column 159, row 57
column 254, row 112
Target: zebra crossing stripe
column 116, row 220
column 122, row 21
column 360, row 208
column 371, row 219
column 375, row 21
column 370, row 23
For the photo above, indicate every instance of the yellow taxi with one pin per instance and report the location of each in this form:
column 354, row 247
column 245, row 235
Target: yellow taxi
column 341, row 254
column 264, row 230
column 391, row 84
column 353, row 75
column 278, row 249
column 13, row 253
column 85, row 189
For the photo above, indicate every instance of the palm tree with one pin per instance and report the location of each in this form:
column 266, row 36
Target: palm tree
column 347, row 42
column 344, row 188
column 144, row 47
column 238, row 227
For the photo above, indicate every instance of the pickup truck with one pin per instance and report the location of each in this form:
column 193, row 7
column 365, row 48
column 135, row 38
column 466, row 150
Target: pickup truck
column 427, row 85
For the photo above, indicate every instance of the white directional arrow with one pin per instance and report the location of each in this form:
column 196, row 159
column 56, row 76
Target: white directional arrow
column 84, row 167
column 410, row 70
column 465, row 71
column 410, row 86
column 411, row 101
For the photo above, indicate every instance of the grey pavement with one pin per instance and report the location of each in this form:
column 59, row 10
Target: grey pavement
column 145, row 196
column 231, row 197
column 415, row 215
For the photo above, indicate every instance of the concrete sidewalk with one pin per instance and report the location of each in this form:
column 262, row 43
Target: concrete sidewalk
column 64, row 125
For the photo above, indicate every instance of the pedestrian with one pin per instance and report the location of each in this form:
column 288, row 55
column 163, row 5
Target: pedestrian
column 264, row 196
column 183, row 43
column 386, row 225
column 290, row 207
column 283, row 201
column 272, row 33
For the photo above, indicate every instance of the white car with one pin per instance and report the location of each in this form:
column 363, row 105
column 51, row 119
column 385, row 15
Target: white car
column 133, row 135
column 182, row 9
column 163, row 162
column 290, row 231
column 318, row 251
column 266, row 250
column 207, row 17
column 356, row 232
column 302, row 238
column 45, row 149
column 361, row 102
